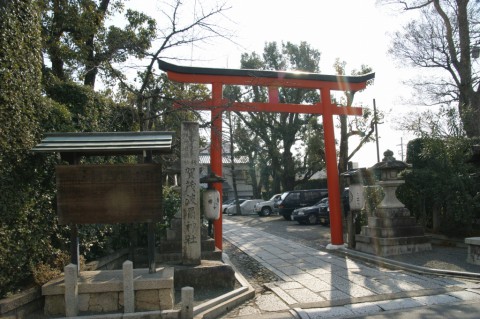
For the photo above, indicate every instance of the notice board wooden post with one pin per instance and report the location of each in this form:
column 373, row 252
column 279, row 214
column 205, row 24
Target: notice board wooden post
column 151, row 227
column 74, row 239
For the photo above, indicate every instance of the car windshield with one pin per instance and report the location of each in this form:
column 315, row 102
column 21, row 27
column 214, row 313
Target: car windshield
column 275, row 197
column 228, row 202
column 323, row 201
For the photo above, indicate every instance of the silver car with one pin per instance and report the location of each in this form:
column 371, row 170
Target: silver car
column 246, row 208
column 266, row 208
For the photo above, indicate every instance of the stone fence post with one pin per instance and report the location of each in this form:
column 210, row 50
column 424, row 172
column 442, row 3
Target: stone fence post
column 71, row 290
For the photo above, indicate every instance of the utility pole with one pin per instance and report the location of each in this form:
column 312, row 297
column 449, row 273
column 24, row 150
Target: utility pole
column 376, row 129
column 401, row 147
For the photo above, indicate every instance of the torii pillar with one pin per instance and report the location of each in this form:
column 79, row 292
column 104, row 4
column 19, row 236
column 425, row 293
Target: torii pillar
column 273, row 80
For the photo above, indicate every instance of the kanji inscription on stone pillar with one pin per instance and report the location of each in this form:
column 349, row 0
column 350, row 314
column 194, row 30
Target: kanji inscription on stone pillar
column 190, row 183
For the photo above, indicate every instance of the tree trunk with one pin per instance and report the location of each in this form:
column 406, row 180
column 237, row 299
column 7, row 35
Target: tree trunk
column 275, row 172
column 436, row 212
column 469, row 109
column 232, row 164
column 288, row 178
column 90, row 65
column 253, row 178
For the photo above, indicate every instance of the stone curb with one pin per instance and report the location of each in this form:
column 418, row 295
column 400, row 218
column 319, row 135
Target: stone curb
column 381, row 261
column 221, row 305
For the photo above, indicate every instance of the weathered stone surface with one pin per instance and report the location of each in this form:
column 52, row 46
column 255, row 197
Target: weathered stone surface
column 147, row 300
column 128, row 293
column 54, row 305
column 71, row 290
column 200, row 277
column 187, row 302
column 83, row 301
column 98, row 291
column 473, row 255
column 391, row 212
column 167, row 298
column 388, row 232
column 391, row 231
column 391, row 222
column 103, row 302
column 190, row 184
column 393, row 249
column 392, row 241
column 18, row 300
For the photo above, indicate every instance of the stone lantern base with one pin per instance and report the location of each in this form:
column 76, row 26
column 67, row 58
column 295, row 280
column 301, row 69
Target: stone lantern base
column 392, row 231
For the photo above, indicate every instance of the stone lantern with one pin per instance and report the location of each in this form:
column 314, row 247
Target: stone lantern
column 387, row 172
column 391, row 230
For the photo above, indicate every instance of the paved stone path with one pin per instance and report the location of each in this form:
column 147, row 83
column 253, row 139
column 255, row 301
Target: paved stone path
column 318, row 284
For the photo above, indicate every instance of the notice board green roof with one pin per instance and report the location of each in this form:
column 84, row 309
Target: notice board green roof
column 108, row 143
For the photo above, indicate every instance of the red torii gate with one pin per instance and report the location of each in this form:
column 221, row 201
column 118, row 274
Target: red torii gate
column 273, row 80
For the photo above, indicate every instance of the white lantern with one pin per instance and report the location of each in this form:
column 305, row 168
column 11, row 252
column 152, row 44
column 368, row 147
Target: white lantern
column 211, row 204
column 356, row 196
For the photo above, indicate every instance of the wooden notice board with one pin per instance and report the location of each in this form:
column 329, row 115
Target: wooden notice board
column 109, row 194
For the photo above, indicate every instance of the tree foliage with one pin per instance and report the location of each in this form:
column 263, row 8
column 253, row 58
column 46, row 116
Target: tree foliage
column 361, row 127
column 441, row 189
column 442, row 38
column 79, row 45
column 278, row 133
column 53, row 53
column 24, row 209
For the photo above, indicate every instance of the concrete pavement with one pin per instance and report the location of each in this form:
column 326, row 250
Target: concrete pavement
column 321, row 284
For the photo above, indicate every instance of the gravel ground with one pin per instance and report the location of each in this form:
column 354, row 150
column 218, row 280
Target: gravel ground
column 252, row 270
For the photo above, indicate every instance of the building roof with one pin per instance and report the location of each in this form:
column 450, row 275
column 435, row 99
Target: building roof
column 107, row 143
column 205, row 159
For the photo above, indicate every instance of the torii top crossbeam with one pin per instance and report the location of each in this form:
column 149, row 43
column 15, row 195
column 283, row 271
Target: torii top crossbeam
column 273, row 80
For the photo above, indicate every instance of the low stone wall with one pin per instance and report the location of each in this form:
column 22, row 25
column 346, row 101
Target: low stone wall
column 21, row 305
column 25, row 303
column 103, row 291
column 473, row 256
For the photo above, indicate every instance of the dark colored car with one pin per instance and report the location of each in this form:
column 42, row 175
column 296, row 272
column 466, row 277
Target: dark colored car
column 289, row 201
column 324, row 211
column 310, row 214
column 324, row 214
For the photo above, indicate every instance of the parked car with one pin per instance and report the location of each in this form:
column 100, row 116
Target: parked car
column 266, row 208
column 246, row 207
column 231, row 202
column 310, row 214
column 324, row 211
column 289, row 201
column 324, row 214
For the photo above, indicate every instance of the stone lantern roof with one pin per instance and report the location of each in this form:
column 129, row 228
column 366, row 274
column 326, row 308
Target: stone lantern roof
column 389, row 164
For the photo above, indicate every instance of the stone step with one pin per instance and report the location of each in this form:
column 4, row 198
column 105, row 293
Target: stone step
column 207, row 276
column 391, row 222
column 391, row 212
column 169, row 246
column 390, row 250
column 176, row 257
column 392, row 232
column 368, row 240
